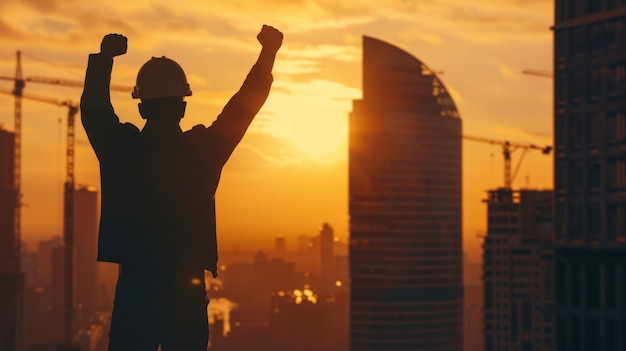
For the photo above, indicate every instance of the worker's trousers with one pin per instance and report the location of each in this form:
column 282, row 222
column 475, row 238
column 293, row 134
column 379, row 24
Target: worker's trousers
column 159, row 306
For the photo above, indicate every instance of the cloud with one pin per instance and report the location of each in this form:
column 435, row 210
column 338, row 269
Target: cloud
column 487, row 21
column 232, row 18
column 259, row 151
column 505, row 70
column 296, row 66
column 42, row 6
column 319, row 51
column 7, row 31
column 498, row 22
column 416, row 34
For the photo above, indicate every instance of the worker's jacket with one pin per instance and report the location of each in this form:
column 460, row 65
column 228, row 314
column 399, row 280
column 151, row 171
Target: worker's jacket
column 158, row 192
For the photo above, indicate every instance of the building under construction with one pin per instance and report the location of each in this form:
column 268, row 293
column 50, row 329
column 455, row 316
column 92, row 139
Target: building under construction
column 11, row 279
column 589, row 253
column 519, row 228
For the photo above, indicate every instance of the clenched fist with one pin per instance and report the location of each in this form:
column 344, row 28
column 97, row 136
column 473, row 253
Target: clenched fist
column 113, row 45
column 270, row 37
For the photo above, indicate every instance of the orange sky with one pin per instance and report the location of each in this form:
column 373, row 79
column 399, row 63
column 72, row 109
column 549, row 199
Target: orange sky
column 290, row 172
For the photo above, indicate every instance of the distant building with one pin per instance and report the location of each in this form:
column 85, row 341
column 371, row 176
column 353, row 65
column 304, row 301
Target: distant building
column 473, row 315
column 44, row 260
column 46, row 325
column 474, row 298
column 405, row 207
column 108, row 274
column 340, row 248
column 43, row 301
column 57, row 287
column 590, row 175
column 86, row 279
column 251, row 284
column 28, row 266
column 519, row 228
column 327, row 257
column 280, row 245
column 304, row 243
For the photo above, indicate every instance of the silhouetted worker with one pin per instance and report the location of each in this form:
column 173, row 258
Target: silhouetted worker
column 158, row 187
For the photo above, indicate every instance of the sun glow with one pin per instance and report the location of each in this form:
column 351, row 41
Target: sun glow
column 313, row 115
column 318, row 131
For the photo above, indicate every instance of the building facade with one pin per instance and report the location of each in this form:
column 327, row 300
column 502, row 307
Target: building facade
column 405, row 207
column 519, row 229
column 589, row 255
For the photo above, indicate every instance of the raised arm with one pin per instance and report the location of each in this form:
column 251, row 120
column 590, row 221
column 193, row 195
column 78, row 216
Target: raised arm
column 97, row 115
column 240, row 110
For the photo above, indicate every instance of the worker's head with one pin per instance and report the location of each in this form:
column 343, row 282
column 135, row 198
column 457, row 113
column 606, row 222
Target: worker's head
column 161, row 86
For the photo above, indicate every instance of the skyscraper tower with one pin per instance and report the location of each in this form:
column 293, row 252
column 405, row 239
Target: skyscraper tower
column 11, row 278
column 590, row 175
column 405, row 207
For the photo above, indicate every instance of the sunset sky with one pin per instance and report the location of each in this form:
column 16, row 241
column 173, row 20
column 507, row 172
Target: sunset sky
column 289, row 174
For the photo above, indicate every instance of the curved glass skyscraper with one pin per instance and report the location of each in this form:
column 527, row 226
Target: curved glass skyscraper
column 405, row 207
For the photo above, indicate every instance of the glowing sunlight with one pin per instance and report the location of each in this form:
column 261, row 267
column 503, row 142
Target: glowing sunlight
column 318, row 131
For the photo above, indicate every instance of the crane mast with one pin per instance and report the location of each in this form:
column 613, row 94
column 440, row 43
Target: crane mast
column 68, row 227
column 17, row 228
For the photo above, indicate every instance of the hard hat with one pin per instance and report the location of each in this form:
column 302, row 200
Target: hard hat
column 161, row 77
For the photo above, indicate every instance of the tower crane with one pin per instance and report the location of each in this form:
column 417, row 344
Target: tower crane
column 68, row 208
column 18, row 91
column 68, row 196
column 534, row 72
column 507, row 150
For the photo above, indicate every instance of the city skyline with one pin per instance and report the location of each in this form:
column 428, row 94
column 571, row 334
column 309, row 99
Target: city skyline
column 297, row 147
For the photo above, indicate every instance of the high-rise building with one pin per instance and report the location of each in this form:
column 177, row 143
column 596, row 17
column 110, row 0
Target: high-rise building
column 405, row 207
column 57, row 286
column 327, row 240
column 519, row 229
column 86, row 278
column 8, row 250
column 280, row 245
column 589, row 255
column 44, row 260
column 304, row 243
column 11, row 278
